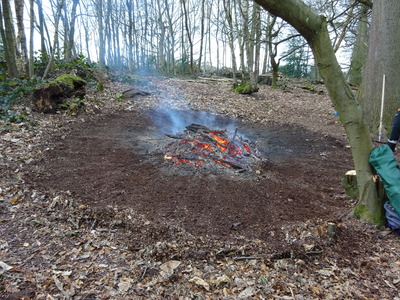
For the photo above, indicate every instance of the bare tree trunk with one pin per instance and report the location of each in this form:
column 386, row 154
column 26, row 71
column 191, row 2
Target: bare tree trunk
column 266, row 41
column 69, row 35
column 19, row 13
column 102, row 55
column 256, row 37
column 383, row 59
column 272, row 49
column 108, row 37
column 144, row 53
column 130, row 10
column 360, row 48
column 201, row 35
column 209, row 41
column 240, row 38
column 231, row 38
column 313, row 28
column 189, row 37
column 216, row 49
column 55, row 44
column 31, row 36
column 9, row 40
column 42, row 28
column 171, row 33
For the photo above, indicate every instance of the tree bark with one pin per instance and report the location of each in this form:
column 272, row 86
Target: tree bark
column 202, row 26
column 383, row 59
column 189, row 37
column 272, row 49
column 102, row 50
column 171, row 36
column 19, row 13
column 55, row 43
column 360, row 49
column 231, row 37
column 130, row 10
column 69, row 35
column 41, row 28
column 313, row 28
column 9, row 40
column 31, row 37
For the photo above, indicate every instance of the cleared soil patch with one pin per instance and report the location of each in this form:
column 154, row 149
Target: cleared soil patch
column 117, row 160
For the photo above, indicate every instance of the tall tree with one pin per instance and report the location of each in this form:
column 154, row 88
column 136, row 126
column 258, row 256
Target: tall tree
column 131, row 24
column 9, row 39
column 231, row 37
column 171, row 37
column 56, row 39
column 69, row 32
column 102, row 46
column 360, row 48
column 383, row 59
column 313, row 28
column 31, row 37
column 202, row 26
column 23, row 49
column 185, row 10
column 42, row 28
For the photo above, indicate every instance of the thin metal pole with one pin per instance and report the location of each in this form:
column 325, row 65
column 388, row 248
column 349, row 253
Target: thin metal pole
column 382, row 103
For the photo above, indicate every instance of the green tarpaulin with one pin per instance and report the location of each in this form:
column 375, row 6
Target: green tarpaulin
column 385, row 164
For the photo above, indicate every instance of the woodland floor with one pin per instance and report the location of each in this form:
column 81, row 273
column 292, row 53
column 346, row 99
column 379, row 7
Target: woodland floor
column 90, row 209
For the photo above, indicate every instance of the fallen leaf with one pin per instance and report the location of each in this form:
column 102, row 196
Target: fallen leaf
column 125, row 284
column 326, row 272
column 15, row 201
column 4, row 267
column 170, row 266
column 248, row 292
column 220, row 280
column 200, row 282
column 308, row 247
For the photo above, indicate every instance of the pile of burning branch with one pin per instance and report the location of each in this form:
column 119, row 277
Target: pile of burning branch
column 199, row 145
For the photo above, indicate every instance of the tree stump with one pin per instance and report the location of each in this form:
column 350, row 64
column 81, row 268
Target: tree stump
column 47, row 97
column 349, row 183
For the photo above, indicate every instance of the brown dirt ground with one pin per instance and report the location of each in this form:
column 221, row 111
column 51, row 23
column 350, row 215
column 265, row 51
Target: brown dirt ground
column 104, row 172
column 106, row 162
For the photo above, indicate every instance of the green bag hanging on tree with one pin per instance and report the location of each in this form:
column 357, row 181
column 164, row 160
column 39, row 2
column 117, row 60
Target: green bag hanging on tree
column 385, row 164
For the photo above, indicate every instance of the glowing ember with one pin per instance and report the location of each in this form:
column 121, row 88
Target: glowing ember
column 198, row 145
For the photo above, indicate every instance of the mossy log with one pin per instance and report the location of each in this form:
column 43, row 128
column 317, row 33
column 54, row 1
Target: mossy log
column 47, row 97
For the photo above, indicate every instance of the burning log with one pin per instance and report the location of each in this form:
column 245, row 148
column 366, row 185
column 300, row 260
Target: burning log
column 199, row 145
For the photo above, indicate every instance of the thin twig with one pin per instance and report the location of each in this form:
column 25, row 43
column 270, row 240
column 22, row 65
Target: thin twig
column 106, row 230
column 245, row 257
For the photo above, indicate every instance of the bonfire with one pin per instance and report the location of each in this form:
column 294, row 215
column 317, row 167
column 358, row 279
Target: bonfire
column 199, row 146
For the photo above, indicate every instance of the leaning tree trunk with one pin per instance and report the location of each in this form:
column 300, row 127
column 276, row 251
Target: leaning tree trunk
column 314, row 29
column 383, row 59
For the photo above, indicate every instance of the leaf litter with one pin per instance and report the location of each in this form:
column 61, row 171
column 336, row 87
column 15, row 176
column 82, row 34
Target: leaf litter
column 54, row 247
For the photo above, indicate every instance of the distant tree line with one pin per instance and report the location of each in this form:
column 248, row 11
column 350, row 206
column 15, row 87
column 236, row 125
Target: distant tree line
column 172, row 37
